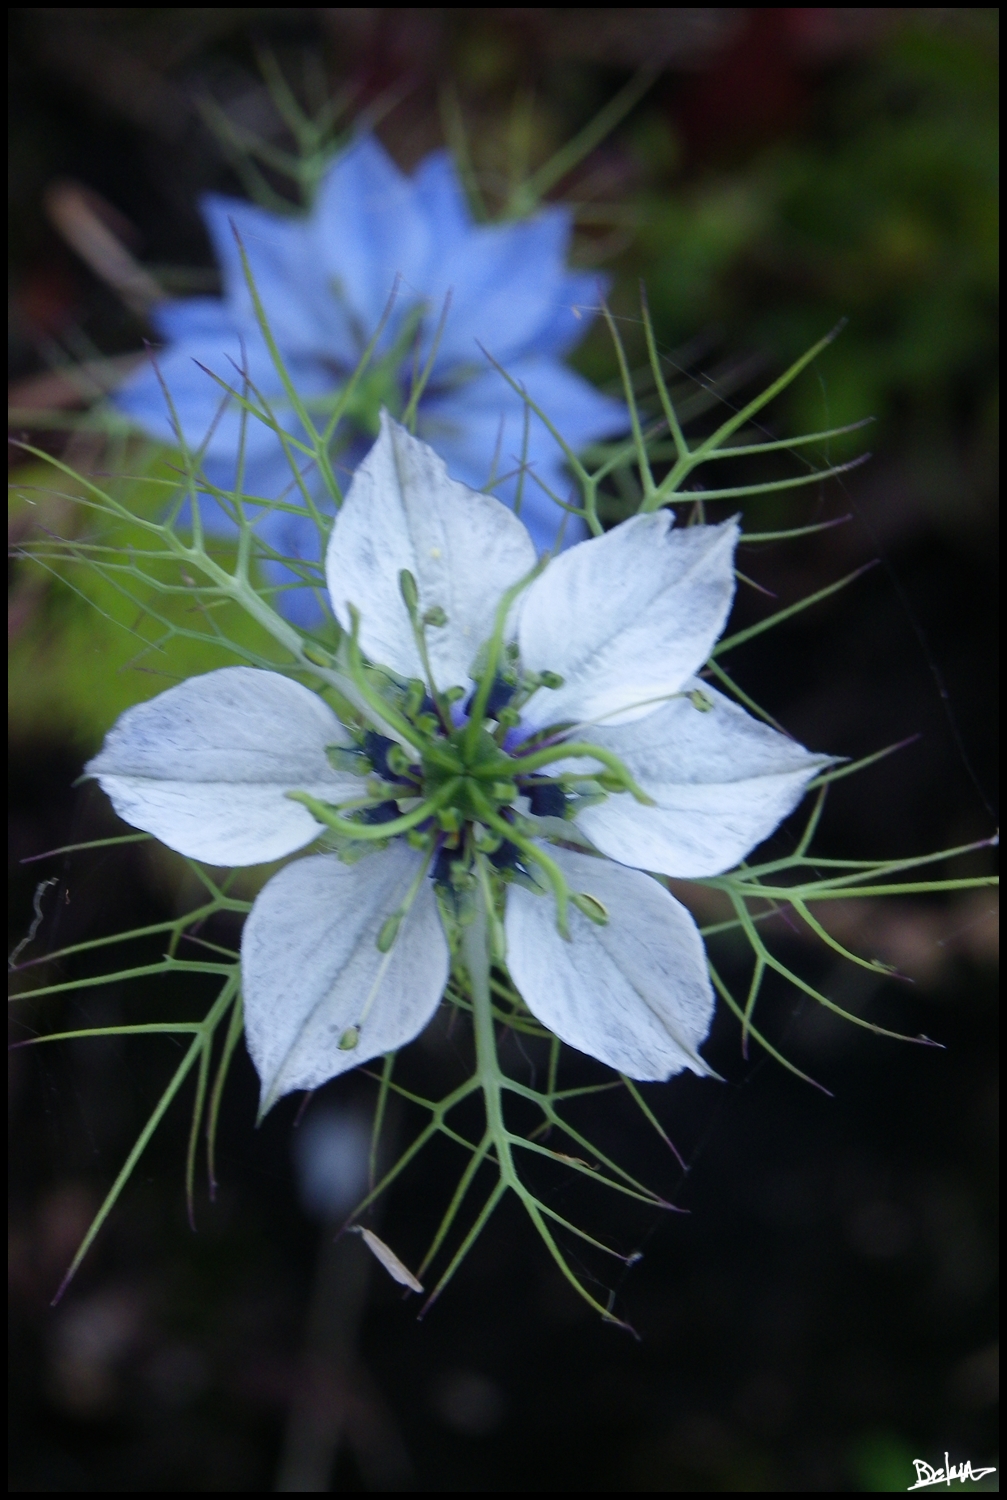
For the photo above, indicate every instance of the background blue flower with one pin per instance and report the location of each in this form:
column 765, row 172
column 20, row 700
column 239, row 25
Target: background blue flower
column 324, row 280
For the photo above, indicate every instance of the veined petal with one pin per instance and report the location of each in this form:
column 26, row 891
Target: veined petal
column 464, row 549
column 626, row 617
column 635, row 994
column 312, row 972
column 205, row 766
column 722, row 782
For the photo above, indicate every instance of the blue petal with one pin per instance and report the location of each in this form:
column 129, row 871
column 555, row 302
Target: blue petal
column 281, row 263
column 288, row 279
column 195, row 318
column 197, row 398
column 506, row 281
column 574, row 310
column 484, row 417
column 367, row 229
column 439, row 195
column 324, row 280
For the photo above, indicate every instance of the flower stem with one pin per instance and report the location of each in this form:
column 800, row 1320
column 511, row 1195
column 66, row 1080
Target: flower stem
column 475, row 948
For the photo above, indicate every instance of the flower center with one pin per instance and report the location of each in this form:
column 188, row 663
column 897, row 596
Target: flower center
column 460, row 782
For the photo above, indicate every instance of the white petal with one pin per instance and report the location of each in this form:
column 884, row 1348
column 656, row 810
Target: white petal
column 722, row 781
column 311, row 969
column 634, row 994
column 206, row 765
column 626, row 617
column 463, row 548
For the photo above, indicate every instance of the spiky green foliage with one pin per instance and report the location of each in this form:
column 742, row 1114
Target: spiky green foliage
column 189, row 591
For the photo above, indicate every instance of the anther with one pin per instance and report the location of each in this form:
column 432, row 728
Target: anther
column 376, row 748
column 385, row 812
column 389, row 931
column 345, row 758
column 409, row 591
column 547, row 800
column 592, row 908
column 316, row 656
column 399, row 762
column 507, row 857
column 500, row 694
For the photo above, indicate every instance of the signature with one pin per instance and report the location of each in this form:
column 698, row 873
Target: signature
column 925, row 1475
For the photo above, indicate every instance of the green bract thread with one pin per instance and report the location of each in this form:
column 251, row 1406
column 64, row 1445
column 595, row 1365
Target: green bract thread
column 478, row 761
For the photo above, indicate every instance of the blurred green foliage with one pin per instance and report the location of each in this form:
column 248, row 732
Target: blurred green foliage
column 884, row 212
column 84, row 652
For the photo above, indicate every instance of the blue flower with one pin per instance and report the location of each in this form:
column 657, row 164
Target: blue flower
column 324, row 280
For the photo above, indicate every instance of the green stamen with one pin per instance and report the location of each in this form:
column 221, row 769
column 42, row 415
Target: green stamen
column 550, row 868
column 330, row 818
column 387, row 715
column 478, row 713
column 576, row 750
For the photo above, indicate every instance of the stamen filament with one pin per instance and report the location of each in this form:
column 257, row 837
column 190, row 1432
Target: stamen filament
column 553, row 873
column 387, row 715
column 407, row 586
column 376, row 831
column 478, row 713
column 577, row 749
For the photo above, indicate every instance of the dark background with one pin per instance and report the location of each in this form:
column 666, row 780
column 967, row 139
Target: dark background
column 824, row 1313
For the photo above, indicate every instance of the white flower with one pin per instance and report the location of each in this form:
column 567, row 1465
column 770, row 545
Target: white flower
column 582, row 706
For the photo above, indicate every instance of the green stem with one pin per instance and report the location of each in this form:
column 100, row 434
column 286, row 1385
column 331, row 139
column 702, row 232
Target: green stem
column 235, row 1027
column 196, row 1048
column 475, row 948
